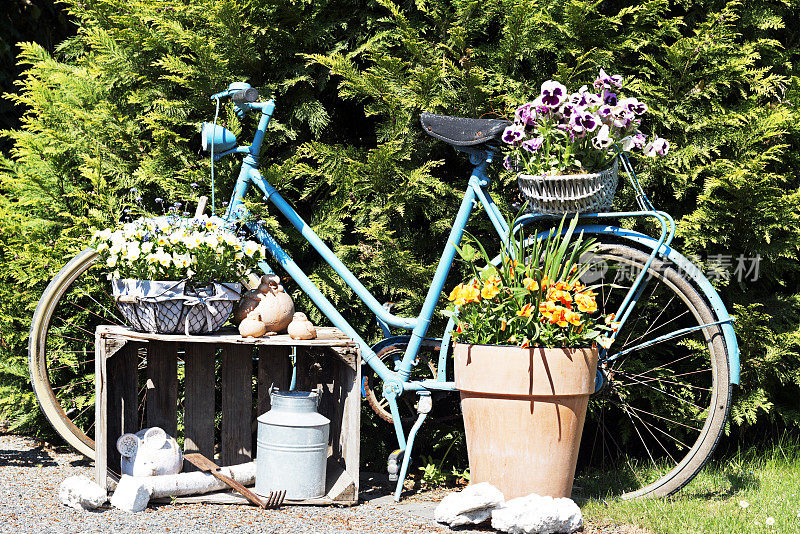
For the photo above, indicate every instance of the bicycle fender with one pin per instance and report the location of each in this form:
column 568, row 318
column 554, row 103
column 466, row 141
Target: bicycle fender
column 689, row 270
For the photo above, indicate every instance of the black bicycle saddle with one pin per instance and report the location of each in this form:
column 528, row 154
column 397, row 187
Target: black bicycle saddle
column 461, row 131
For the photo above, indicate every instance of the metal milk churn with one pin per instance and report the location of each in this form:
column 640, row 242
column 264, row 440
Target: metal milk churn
column 292, row 446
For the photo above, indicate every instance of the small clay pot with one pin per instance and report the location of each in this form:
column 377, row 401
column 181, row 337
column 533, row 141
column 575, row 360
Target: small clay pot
column 252, row 298
column 301, row 327
column 252, row 326
column 276, row 307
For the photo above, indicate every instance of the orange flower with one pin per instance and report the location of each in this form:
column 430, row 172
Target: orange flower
column 559, row 295
column 573, row 318
column 530, row 284
column 610, row 317
column 502, row 325
column 562, row 286
column 559, row 316
column 462, row 294
column 586, row 303
column 459, row 329
column 525, row 344
column 547, row 308
column 573, row 269
column 525, row 311
column 454, row 294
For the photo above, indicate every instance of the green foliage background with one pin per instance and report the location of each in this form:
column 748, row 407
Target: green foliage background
column 120, row 105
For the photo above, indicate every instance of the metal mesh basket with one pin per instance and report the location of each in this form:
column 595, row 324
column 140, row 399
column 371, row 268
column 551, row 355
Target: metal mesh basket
column 173, row 308
column 574, row 193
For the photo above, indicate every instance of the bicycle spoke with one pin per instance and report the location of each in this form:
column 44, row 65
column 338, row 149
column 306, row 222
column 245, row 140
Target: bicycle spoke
column 662, row 417
column 636, row 428
column 646, row 427
column 655, row 379
column 669, row 395
column 665, row 365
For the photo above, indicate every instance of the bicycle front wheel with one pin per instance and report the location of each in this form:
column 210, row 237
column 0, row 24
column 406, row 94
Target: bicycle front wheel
column 61, row 347
column 665, row 391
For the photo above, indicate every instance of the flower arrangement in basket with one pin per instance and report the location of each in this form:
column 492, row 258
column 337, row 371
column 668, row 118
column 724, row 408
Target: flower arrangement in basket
column 175, row 274
column 564, row 145
column 534, row 298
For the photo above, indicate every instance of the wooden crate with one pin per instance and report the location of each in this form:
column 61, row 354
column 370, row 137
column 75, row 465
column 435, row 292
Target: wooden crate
column 124, row 403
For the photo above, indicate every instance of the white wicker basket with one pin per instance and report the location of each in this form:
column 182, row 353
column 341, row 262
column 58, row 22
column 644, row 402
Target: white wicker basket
column 173, row 308
column 573, row 193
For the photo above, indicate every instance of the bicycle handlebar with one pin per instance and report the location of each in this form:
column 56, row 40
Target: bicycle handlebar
column 245, row 96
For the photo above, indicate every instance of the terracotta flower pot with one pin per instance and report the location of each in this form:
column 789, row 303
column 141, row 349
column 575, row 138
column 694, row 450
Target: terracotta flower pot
column 523, row 414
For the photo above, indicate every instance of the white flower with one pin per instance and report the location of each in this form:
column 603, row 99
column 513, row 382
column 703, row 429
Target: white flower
column 147, row 246
column 602, row 140
column 164, row 259
column 101, row 246
column 250, row 248
column 132, row 252
column 239, row 255
column 744, row 504
column 209, row 240
column 152, row 258
column 770, row 521
column 112, row 261
column 103, row 234
column 161, row 241
column 191, row 241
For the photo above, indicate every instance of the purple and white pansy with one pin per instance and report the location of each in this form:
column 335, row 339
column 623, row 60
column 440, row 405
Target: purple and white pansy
column 553, row 94
column 559, row 131
column 657, row 147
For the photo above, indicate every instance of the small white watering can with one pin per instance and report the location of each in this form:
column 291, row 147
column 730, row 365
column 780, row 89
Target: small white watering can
column 149, row 452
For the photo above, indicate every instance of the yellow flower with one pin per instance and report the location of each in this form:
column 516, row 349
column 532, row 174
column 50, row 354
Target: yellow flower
column 586, row 303
column 526, row 311
column 530, row 284
column 547, row 308
column 489, row 291
column 573, row 318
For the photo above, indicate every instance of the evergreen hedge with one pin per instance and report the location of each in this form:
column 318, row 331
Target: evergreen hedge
column 120, row 105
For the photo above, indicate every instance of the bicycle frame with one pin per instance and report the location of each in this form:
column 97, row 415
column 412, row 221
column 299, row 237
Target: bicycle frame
column 397, row 381
column 476, row 192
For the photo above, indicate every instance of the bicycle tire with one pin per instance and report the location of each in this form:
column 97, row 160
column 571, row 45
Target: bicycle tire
column 716, row 403
column 38, row 357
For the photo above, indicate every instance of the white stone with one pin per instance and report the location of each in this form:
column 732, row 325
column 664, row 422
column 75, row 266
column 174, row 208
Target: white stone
column 131, row 495
column 471, row 506
column 537, row 515
column 81, row 493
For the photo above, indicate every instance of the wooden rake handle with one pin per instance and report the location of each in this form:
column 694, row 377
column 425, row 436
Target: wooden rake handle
column 206, row 465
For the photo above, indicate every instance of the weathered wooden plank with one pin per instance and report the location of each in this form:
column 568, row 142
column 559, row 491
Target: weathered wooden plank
column 100, row 411
column 326, row 337
column 198, row 415
column 350, row 414
column 237, row 404
column 162, row 386
column 273, row 370
column 122, row 399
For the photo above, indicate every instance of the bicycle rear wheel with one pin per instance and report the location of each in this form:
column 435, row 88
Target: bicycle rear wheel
column 662, row 406
column 61, row 347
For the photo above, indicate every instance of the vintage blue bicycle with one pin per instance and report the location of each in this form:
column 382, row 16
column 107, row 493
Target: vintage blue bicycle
column 663, row 390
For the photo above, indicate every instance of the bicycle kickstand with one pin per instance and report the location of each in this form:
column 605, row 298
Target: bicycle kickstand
column 424, row 406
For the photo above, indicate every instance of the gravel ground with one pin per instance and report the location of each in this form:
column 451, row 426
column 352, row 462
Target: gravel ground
column 30, row 474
